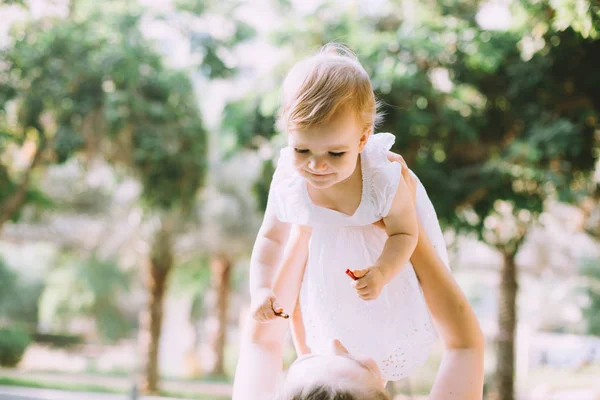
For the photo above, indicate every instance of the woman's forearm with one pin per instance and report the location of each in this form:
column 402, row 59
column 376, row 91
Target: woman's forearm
column 298, row 331
column 456, row 322
column 461, row 375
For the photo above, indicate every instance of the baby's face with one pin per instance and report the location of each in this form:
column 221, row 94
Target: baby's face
column 327, row 154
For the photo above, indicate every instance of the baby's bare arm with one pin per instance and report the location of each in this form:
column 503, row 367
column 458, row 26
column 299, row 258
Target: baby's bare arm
column 267, row 251
column 402, row 229
column 262, row 344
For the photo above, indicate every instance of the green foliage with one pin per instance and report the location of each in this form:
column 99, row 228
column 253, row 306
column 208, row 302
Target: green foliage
column 18, row 299
column 8, row 283
column 62, row 341
column 13, row 2
column 96, row 84
column 197, row 7
column 192, row 277
column 260, row 189
column 212, row 48
column 249, row 121
column 13, row 343
column 591, row 271
column 477, row 114
column 91, row 289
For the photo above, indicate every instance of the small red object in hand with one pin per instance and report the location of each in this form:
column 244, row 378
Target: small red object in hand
column 351, row 275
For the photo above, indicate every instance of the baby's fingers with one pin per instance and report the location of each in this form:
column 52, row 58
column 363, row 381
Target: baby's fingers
column 264, row 314
column 277, row 309
column 366, row 296
column 360, row 284
column 364, row 291
column 360, row 273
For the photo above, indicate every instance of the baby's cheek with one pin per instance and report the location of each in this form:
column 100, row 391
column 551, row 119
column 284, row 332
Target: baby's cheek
column 298, row 162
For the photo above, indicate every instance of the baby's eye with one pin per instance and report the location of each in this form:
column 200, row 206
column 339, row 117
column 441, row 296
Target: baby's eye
column 301, row 151
column 339, row 154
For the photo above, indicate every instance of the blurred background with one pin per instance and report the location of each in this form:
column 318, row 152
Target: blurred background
column 137, row 143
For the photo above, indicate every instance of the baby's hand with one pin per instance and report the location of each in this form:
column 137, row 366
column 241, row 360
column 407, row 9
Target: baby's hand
column 369, row 284
column 264, row 307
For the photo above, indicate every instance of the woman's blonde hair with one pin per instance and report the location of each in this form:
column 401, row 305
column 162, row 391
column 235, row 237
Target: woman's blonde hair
column 318, row 86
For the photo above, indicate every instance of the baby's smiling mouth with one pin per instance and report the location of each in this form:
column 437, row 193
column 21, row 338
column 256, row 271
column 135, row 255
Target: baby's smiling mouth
column 319, row 174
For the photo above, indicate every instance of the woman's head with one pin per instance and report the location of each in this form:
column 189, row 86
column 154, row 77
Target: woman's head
column 335, row 375
column 328, row 112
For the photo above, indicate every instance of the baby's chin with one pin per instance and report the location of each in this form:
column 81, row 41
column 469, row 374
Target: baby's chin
column 322, row 184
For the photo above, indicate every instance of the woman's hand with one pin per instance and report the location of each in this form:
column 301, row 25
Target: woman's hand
column 410, row 180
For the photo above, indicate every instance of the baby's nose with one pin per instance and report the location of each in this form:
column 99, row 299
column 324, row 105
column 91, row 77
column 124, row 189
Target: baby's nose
column 317, row 165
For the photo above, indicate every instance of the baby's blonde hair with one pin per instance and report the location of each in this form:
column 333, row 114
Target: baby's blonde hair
column 318, row 86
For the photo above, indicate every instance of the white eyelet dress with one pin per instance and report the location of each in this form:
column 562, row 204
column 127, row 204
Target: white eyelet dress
column 395, row 329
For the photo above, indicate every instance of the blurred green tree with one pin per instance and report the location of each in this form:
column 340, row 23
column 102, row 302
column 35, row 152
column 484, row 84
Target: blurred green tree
column 18, row 299
column 227, row 220
column 93, row 83
column 494, row 120
column 591, row 271
column 93, row 289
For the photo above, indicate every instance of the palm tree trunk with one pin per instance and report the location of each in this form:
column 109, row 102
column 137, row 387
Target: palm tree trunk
column 220, row 267
column 157, row 272
column 507, row 319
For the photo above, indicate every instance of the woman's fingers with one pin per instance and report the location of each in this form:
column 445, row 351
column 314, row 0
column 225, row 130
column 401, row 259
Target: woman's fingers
column 393, row 157
column 403, row 162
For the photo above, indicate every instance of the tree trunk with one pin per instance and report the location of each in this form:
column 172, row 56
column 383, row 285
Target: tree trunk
column 13, row 203
column 216, row 321
column 156, row 273
column 507, row 319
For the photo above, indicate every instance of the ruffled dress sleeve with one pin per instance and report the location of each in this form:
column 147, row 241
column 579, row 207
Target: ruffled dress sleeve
column 381, row 180
column 381, row 176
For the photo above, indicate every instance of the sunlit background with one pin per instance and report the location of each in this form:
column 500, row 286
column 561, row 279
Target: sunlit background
column 137, row 142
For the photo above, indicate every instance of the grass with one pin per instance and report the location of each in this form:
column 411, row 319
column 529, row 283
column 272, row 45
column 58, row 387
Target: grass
column 6, row 381
column 125, row 374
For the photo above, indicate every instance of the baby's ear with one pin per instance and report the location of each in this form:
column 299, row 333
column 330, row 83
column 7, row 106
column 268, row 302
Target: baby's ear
column 364, row 138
